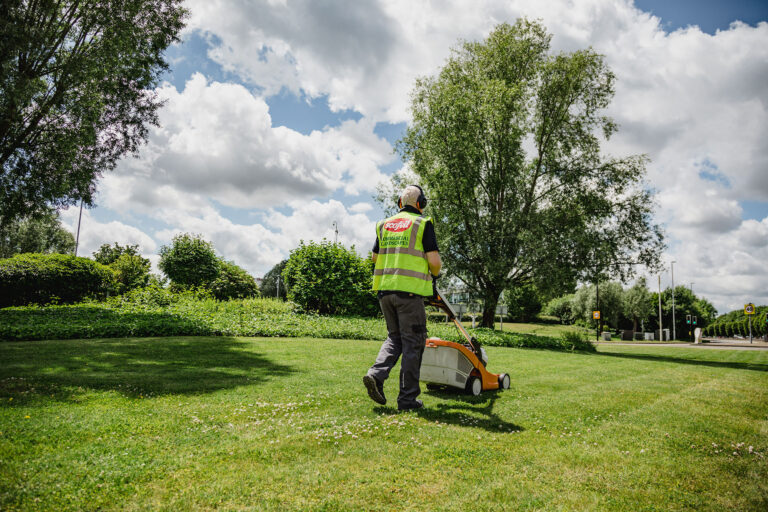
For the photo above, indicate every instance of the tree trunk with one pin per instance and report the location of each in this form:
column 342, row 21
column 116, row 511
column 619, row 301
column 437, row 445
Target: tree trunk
column 490, row 300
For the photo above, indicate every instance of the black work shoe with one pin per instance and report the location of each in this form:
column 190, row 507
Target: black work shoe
column 375, row 389
column 411, row 406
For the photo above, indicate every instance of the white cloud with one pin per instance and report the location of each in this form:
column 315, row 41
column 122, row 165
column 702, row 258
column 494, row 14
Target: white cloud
column 94, row 233
column 361, row 207
column 683, row 98
column 217, row 140
column 257, row 247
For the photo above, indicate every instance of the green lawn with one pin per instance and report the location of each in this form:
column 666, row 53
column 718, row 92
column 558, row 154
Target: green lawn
column 538, row 329
column 285, row 424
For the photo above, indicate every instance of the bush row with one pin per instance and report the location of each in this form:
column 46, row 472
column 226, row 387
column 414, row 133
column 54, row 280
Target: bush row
column 157, row 312
column 45, row 278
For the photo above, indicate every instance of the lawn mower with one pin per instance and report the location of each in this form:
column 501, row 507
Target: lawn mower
column 459, row 365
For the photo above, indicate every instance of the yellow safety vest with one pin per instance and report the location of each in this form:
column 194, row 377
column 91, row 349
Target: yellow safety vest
column 402, row 264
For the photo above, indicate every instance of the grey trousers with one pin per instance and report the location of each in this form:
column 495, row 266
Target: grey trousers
column 406, row 334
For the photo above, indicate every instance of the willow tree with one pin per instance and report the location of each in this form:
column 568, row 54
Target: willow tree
column 77, row 82
column 506, row 141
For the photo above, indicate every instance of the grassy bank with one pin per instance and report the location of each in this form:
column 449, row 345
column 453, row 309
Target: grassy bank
column 239, row 423
column 190, row 316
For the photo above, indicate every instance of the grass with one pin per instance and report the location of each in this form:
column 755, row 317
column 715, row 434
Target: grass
column 230, row 423
column 537, row 329
column 159, row 313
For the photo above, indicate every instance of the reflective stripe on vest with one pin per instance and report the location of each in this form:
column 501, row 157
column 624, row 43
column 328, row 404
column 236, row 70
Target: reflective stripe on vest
column 401, row 265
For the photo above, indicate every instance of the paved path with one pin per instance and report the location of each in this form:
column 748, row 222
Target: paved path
column 716, row 343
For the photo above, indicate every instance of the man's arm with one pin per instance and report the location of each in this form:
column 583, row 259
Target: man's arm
column 435, row 263
column 374, row 257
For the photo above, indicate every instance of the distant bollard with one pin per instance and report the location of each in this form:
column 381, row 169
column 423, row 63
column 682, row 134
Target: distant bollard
column 697, row 334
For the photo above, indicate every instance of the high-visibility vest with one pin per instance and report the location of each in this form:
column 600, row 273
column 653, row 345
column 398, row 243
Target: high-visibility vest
column 402, row 264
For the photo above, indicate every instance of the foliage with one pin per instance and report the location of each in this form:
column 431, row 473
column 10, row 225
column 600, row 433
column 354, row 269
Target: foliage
column 233, row 283
column 328, row 278
column 636, row 303
column 509, row 212
column 131, row 271
column 610, row 307
column 561, row 307
column 523, row 303
column 685, row 303
column 41, row 233
column 108, row 254
column 189, row 261
column 46, row 278
column 155, row 311
column 75, row 93
column 269, row 282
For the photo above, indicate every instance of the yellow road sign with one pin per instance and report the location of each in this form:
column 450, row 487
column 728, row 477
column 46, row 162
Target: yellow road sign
column 749, row 309
column 596, row 315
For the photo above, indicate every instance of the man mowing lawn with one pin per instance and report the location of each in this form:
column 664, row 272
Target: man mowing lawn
column 406, row 258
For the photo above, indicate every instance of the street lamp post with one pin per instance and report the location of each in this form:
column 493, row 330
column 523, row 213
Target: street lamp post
column 661, row 330
column 674, row 333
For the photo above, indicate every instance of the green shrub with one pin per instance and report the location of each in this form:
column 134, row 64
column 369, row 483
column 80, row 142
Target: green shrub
column 131, row 271
column 233, row 283
column 328, row 278
column 269, row 285
column 189, row 261
column 108, row 254
column 45, row 278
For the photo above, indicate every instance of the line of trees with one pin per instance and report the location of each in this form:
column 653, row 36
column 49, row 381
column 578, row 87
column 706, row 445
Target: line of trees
column 632, row 308
column 736, row 323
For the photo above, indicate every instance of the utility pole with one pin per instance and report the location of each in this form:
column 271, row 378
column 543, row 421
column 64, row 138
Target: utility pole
column 278, row 286
column 80, row 218
column 597, row 308
column 674, row 332
column 336, row 232
column 661, row 331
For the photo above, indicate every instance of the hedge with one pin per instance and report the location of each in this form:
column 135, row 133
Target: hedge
column 52, row 278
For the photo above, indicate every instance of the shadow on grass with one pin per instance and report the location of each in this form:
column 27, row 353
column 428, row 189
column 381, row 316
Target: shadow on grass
column 132, row 367
column 737, row 365
column 463, row 410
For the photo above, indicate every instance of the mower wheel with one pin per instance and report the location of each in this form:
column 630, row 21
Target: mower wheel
column 503, row 381
column 474, row 386
column 433, row 387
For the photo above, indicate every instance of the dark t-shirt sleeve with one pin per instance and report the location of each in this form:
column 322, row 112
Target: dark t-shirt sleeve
column 429, row 240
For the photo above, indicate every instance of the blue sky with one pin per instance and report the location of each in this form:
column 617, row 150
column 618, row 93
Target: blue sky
column 709, row 15
column 281, row 119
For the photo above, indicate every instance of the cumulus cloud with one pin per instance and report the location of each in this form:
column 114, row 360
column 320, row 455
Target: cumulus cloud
column 93, row 234
column 259, row 246
column 216, row 139
column 695, row 103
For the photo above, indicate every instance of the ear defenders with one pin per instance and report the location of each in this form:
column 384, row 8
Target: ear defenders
column 421, row 201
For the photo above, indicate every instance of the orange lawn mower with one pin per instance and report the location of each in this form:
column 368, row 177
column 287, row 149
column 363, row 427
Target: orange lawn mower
column 458, row 365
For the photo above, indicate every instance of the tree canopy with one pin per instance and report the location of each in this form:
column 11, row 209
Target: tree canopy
column 506, row 142
column 77, row 93
column 40, row 233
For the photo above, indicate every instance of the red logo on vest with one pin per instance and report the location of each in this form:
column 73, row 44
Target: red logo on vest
column 396, row 226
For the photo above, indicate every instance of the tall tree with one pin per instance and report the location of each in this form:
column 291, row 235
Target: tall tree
column 77, row 93
column 41, row 233
column 637, row 302
column 506, row 142
column 108, row 254
column 269, row 286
